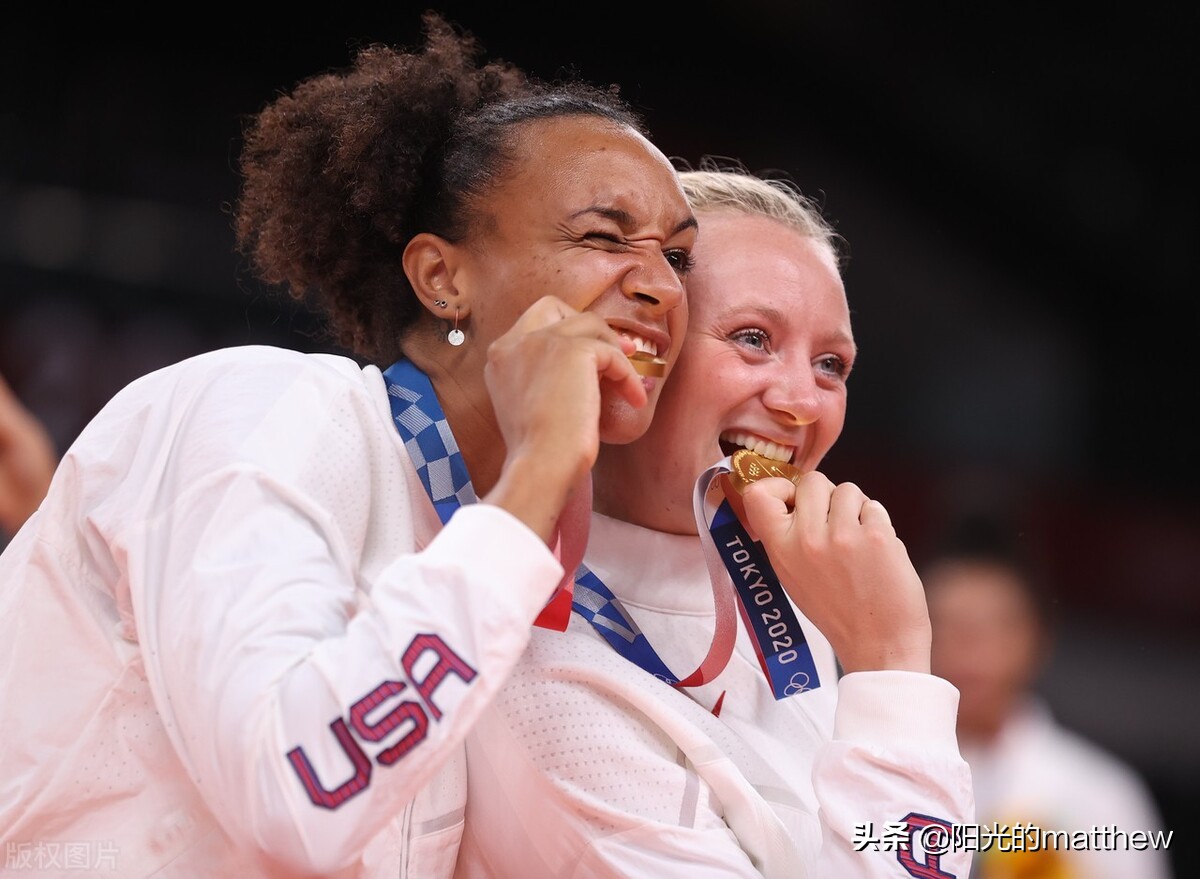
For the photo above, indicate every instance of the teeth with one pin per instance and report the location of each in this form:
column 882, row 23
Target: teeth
column 766, row 448
column 643, row 345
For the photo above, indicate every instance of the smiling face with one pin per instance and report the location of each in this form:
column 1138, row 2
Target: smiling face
column 764, row 366
column 594, row 214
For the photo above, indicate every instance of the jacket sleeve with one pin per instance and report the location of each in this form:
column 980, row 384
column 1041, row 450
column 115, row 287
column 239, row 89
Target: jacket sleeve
column 308, row 705
column 891, row 783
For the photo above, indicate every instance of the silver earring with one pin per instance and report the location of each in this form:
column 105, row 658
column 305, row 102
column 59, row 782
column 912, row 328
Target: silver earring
column 456, row 336
column 440, row 303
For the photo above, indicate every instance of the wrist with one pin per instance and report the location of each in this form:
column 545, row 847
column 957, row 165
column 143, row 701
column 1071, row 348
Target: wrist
column 534, row 490
column 912, row 654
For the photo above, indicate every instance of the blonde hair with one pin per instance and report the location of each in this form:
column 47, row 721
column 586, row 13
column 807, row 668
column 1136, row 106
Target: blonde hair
column 726, row 185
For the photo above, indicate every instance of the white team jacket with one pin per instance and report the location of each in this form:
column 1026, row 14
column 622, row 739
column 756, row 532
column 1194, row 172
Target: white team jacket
column 231, row 643
column 587, row 766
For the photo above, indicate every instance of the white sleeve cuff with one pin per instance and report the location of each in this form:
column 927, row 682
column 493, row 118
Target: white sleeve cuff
column 888, row 707
column 523, row 571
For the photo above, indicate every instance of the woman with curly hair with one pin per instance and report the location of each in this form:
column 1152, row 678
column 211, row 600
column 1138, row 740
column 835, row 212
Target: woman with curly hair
column 819, row 744
column 260, row 605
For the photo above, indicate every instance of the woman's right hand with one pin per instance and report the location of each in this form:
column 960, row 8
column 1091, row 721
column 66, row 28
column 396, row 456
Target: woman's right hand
column 546, row 377
column 839, row 559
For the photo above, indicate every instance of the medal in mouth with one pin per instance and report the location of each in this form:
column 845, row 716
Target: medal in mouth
column 645, row 363
column 747, row 467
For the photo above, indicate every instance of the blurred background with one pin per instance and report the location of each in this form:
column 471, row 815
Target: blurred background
column 1017, row 186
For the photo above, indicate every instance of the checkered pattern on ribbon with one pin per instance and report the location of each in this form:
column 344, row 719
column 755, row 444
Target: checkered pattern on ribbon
column 423, row 427
column 595, row 602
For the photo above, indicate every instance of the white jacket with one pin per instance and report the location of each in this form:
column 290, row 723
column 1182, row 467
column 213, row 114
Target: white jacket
column 231, row 643
column 587, row 766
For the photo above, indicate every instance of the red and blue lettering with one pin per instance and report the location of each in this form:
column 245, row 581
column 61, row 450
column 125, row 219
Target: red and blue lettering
column 364, row 724
column 934, row 835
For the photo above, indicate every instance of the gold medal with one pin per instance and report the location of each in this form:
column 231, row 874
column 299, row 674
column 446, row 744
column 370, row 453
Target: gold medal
column 748, row 467
column 648, row 365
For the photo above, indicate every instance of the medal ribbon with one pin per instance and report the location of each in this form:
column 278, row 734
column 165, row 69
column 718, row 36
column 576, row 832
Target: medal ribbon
column 779, row 642
column 427, row 437
column 738, row 568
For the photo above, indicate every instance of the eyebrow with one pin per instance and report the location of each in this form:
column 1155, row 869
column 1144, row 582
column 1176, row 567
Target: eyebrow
column 625, row 219
column 777, row 315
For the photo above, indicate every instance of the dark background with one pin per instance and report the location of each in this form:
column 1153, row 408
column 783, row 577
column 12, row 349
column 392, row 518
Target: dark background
column 1017, row 186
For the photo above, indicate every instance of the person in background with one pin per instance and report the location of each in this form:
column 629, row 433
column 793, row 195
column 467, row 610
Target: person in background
column 992, row 636
column 606, row 755
column 27, row 462
column 268, row 592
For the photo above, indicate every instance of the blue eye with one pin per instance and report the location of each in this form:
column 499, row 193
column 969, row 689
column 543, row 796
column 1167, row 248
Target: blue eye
column 752, row 337
column 835, row 365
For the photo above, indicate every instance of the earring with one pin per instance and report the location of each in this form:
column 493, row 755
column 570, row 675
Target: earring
column 456, row 336
column 440, row 303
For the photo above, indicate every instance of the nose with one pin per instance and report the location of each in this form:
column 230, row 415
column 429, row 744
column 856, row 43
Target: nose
column 794, row 396
column 654, row 282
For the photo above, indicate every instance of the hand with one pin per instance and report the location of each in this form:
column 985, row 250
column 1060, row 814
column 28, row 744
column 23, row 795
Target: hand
column 839, row 559
column 546, row 377
column 27, row 461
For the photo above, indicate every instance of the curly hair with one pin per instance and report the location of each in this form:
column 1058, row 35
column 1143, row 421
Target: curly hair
column 339, row 174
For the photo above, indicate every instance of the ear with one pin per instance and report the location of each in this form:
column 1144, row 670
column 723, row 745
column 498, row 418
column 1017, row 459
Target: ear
column 429, row 263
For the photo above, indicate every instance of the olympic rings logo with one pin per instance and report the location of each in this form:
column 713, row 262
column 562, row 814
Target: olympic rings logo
column 798, row 683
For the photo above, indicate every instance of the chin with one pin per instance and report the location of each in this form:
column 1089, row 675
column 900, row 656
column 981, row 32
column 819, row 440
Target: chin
column 621, row 423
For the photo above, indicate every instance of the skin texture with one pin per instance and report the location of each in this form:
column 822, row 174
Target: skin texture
column 988, row 640
column 588, row 238
column 769, row 348
column 27, row 461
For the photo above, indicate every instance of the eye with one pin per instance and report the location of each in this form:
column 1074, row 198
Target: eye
column 752, row 337
column 681, row 260
column 834, row 365
column 606, row 237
